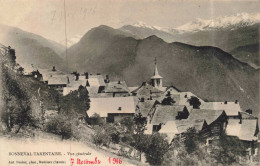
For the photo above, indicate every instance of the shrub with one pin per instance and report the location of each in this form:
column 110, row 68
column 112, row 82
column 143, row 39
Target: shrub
column 195, row 102
column 168, row 101
column 157, row 146
column 101, row 137
column 60, row 125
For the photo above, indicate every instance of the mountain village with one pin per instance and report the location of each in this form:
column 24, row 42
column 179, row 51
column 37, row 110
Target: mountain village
column 167, row 110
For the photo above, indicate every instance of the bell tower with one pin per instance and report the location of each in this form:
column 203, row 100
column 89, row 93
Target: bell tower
column 156, row 80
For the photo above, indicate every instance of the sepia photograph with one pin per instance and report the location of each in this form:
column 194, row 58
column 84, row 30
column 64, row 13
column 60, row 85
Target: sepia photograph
column 129, row 82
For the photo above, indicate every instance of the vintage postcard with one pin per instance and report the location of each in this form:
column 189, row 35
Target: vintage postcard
column 129, row 82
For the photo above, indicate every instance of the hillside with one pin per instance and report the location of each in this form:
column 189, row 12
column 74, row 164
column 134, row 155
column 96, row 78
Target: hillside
column 209, row 72
column 248, row 54
column 228, row 38
column 31, row 48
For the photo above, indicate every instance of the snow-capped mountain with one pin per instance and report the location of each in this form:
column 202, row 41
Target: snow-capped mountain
column 232, row 22
column 142, row 24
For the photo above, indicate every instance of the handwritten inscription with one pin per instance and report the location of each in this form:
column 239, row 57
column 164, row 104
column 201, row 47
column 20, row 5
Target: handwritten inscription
column 58, row 15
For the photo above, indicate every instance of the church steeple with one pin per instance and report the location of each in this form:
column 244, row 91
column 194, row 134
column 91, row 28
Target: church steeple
column 156, row 80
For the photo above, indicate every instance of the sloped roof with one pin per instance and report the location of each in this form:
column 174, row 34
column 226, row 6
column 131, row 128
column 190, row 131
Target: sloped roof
column 165, row 113
column 175, row 97
column 171, row 128
column 92, row 90
column 184, row 96
column 116, row 87
column 77, row 83
column 174, row 89
column 103, row 106
column 96, row 80
column 207, row 114
column 247, row 130
column 58, row 80
column 146, row 106
column 231, row 108
column 132, row 88
column 246, row 115
column 145, row 89
column 48, row 73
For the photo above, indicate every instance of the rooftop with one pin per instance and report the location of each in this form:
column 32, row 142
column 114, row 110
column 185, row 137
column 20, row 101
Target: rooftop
column 205, row 114
column 231, row 108
column 247, row 130
column 58, row 80
column 104, row 106
column 165, row 113
column 145, row 89
column 119, row 87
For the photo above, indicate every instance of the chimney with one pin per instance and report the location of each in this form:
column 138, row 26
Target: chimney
column 119, row 108
column 86, row 75
column 185, row 96
column 107, row 79
column 225, row 102
column 53, row 68
column 118, row 82
column 236, row 101
column 77, row 76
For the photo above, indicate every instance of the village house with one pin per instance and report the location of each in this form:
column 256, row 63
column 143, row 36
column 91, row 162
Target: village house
column 48, row 73
column 216, row 119
column 58, row 83
column 95, row 84
column 232, row 109
column 176, row 129
column 161, row 114
column 246, row 129
column 113, row 109
column 117, row 89
column 171, row 90
column 146, row 92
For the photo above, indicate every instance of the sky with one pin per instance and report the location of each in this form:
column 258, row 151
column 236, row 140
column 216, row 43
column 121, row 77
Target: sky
column 46, row 17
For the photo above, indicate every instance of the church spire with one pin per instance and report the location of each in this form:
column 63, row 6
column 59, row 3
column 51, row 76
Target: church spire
column 156, row 73
column 156, row 80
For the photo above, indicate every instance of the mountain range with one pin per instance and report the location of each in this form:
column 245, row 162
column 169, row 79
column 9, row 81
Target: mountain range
column 127, row 53
column 230, row 33
column 207, row 71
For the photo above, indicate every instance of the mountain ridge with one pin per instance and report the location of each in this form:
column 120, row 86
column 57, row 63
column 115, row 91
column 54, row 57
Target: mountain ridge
column 208, row 72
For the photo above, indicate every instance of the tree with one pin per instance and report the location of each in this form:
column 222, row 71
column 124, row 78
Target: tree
column 60, row 125
column 75, row 102
column 127, row 127
column 17, row 112
column 96, row 120
column 100, row 137
column 228, row 150
column 156, row 148
column 191, row 141
column 195, row 102
column 168, row 101
column 140, row 126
